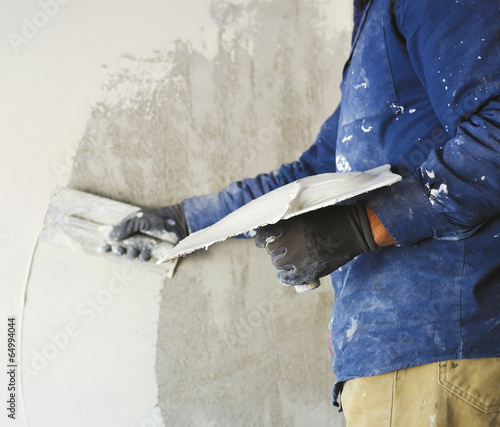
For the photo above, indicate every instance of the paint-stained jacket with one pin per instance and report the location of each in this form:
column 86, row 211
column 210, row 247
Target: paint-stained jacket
column 420, row 91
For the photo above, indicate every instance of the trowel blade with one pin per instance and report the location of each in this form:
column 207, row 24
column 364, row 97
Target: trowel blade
column 79, row 221
column 296, row 198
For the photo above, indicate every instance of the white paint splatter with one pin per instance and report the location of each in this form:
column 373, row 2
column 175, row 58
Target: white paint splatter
column 483, row 178
column 412, row 110
column 347, row 138
column 399, row 108
column 352, row 329
column 430, row 174
column 440, row 192
column 342, row 164
column 363, row 85
column 366, row 129
column 365, row 82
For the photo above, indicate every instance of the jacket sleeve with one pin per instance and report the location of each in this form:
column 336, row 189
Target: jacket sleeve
column 206, row 210
column 454, row 47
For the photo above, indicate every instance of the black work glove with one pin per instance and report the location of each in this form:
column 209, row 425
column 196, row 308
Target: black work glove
column 309, row 246
column 167, row 223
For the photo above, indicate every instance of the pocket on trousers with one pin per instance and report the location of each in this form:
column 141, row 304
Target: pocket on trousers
column 476, row 381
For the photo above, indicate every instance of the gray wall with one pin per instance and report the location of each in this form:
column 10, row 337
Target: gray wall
column 235, row 347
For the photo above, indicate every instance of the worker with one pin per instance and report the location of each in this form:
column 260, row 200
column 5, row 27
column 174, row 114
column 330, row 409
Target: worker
column 415, row 325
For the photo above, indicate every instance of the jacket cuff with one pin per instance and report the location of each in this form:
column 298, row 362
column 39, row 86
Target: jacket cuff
column 406, row 212
column 203, row 211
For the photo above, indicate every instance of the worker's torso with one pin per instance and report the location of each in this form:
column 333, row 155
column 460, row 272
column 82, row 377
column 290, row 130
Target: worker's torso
column 440, row 299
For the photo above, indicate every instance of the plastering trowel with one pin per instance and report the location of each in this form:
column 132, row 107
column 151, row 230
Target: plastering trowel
column 299, row 197
column 82, row 221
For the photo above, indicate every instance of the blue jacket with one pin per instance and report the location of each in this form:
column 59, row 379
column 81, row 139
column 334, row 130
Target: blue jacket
column 420, row 91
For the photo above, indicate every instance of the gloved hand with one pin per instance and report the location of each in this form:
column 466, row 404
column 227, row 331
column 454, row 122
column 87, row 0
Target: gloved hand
column 166, row 223
column 309, row 246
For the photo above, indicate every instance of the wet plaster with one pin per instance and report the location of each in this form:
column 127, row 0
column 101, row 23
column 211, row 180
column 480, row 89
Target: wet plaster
column 234, row 347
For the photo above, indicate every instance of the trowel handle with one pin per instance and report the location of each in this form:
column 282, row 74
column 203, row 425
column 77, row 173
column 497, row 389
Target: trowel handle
column 301, row 289
column 159, row 247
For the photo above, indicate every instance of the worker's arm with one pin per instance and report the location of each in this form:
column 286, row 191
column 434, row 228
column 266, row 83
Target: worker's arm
column 455, row 50
column 199, row 212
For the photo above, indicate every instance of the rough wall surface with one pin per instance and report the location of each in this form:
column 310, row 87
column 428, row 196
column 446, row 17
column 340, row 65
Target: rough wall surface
column 234, row 347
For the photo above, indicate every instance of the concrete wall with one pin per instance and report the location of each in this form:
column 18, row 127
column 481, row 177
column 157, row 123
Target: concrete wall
column 233, row 347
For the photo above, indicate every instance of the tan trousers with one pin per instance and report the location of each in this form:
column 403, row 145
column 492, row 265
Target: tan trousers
column 454, row 393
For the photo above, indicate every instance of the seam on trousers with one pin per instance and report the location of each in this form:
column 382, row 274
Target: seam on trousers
column 392, row 397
